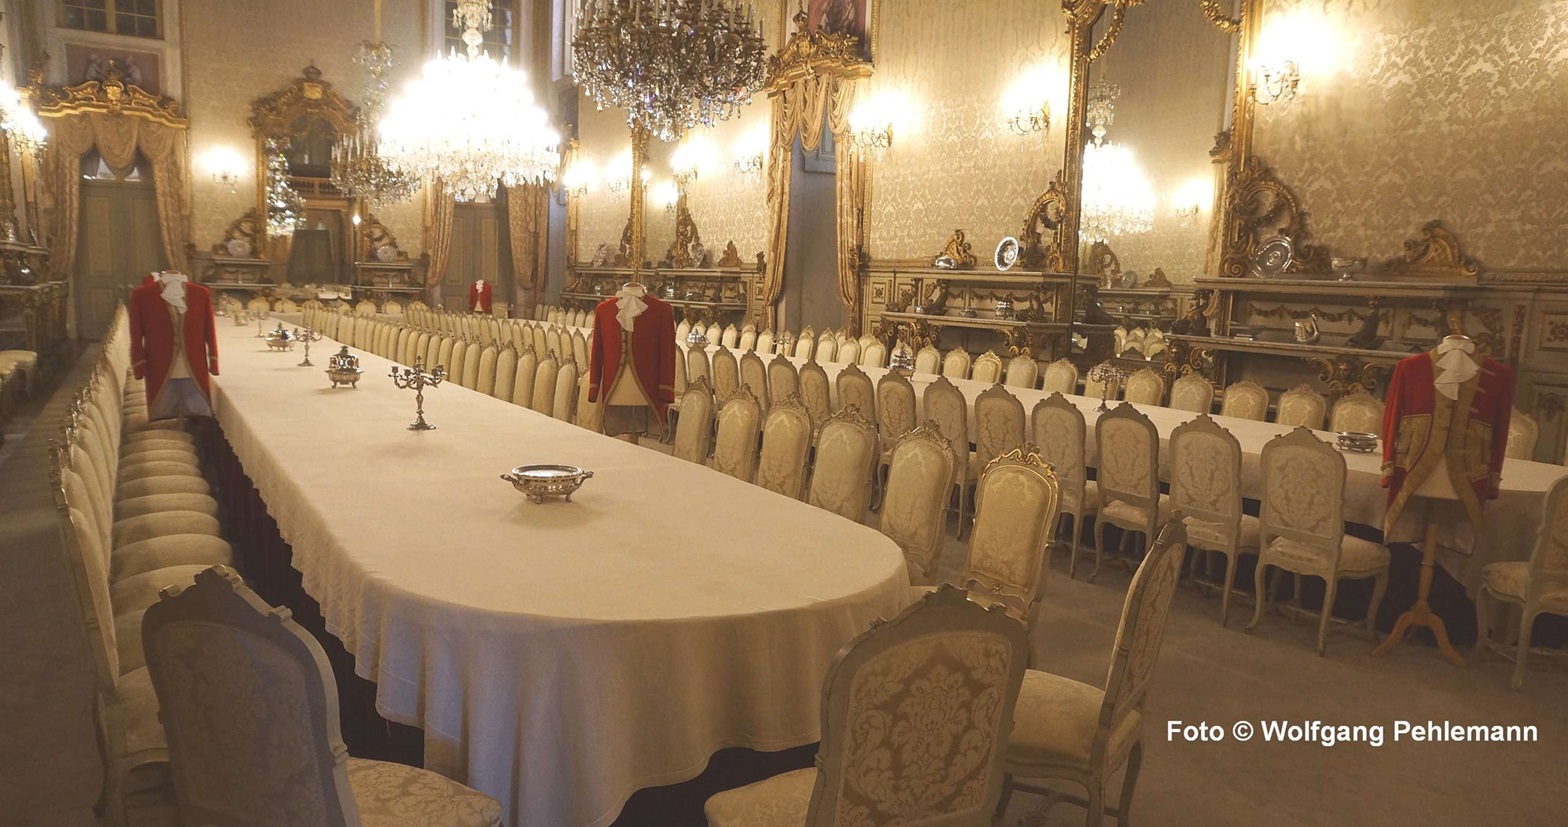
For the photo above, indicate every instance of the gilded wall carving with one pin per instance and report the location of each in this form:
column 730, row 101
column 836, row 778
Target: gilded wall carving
column 956, row 164
column 1442, row 108
column 227, row 65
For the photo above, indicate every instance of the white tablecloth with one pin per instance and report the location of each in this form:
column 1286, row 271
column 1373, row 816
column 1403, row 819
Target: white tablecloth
column 558, row 657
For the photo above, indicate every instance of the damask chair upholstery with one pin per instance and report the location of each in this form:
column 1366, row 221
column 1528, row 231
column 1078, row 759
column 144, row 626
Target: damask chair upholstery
column 1523, row 433
column 1301, row 406
column 697, row 365
column 1119, row 337
column 1017, row 504
column 754, row 376
column 806, row 345
column 701, row 329
column 694, row 428
column 748, row 338
column 565, row 401
column 1128, row 447
column 848, row 352
column 928, row 361
column 765, row 343
column 391, row 308
column 944, row 404
column 227, row 668
column 1192, row 393
column 945, row 653
column 988, row 368
column 1059, row 433
column 726, row 372
column 783, row 379
column 1359, row 412
column 505, row 373
column 443, row 355
column 895, row 408
column 1061, row 376
column 730, row 337
column 1245, row 400
column 841, row 473
column 956, row 364
column 999, row 425
column 1099, row 389
column 827, row 348
column 1536, row 587
column 920, row 471
column 544, row 386
column 523, row 380
column 786, row 441
column 680, row 372
column 1303, row 526
column 1022, row 372
column 1145, row 388
column 735, row 447
column 541, row 342
column 1075, row 732
column 855, row 388
column 1205, row 471
column 816, row 393
column 873, row 355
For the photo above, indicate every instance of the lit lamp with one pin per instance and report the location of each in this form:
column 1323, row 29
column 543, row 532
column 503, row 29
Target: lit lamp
column 578, row 178
column 618, row 175
column 1292, row 46
column 686, row 163
column 224, row 163
column 1277, row 82
column 871, row 130
column 1025, row 104
column 1191, row 199
column 664, row 194
column 21, row 125
column 751, row 151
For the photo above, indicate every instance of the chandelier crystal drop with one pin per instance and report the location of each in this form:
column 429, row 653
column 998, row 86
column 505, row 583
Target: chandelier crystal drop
column 470, row 121
column 671, row 64
column 357, row 166
column 1117, row 199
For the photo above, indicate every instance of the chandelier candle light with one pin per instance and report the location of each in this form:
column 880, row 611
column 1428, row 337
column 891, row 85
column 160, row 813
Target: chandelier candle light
column 416, row 378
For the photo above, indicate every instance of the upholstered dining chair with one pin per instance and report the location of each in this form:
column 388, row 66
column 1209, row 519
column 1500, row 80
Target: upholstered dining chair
column 856, row 388
column 1022, row 372
column 1128, row 446
column 841, row 474
column 440, row 355
column 580, row 348
column 873, row 355
column 1523, row 433
column 1097, row 389
column 987, row 368
column 1359, row 412
column 735, row 446
column 1536, row 587
column 998, row 427
column 1017, row 504
column 1205, row 472
column 523, row 380
column 1303, row 526
column 697, row 366
column 944, row 404
column 1059, row 433
column 484, row 380
column 754, row 375
column 1069, row 731
column 1119, row 339
column 541, row 342
column 701, row 329
column 471, row 367
column 1245, row 399
column 726, row 372
column 786, row 442
column 928, row 361
column 694, row 429
column 682, row 331
column 816, row 392
column 522, row 336
column 1154, row 344
column 544, row 385
column 956, row 364
column 895, row 408
column 1061, row 376
column 827, row 347
column 748, row 338
column 1192, row 393
column 1301, row 406
column 806, row 344
column 765, row 343
column 1145, row 388
column 945, row 653
column 730, row 336
column 244, row 691
column 565, row 402
column 848, row 352
column 505, row 373
column 680, row 371
column 920, row 471
column 783, row 379
column 585, row 414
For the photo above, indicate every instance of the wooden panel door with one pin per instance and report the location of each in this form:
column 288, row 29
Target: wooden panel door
column 119, row 242
column 479, row 251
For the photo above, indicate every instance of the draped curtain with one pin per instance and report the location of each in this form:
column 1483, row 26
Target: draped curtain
column 117, row 137
column 440, row 207
column 801, row 109
column 526, row 207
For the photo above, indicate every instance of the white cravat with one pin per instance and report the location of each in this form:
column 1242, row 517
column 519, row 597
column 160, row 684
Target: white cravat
column 629, row 305
column 174, row 289
column 1455, row 365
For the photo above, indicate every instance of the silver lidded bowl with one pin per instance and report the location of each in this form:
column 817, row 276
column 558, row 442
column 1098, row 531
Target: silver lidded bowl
column 547, row 482
column 1356, row 442
column 343, row 368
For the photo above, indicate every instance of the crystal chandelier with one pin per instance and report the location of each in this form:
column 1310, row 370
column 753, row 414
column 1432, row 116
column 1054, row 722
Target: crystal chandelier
column 1117, row 198
column 357, row 166
column 470, row 121
column 26, row 132
column 1101, row 110
column 285, row 208
column 671, row 64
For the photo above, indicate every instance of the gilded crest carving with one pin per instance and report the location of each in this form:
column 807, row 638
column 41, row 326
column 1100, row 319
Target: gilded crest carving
column 1435, row 255
column 1261, row 206
column 1347, row 374
column 809, row 53
column 1104, row 264
column 273, row 116
column 1045, row 215
column 623, row 255
column 245, row 232
column 109, row 96
column 686, row 251
column 731, row 258
column 957, row 255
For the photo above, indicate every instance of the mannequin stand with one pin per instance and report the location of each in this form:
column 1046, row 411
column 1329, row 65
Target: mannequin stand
column 1421, row 613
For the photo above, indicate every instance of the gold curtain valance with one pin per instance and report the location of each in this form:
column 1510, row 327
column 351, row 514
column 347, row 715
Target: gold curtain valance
column 110, row 96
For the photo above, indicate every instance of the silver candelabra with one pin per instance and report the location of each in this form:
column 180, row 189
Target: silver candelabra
column 416, row 378
column 307, row 336
column 1107, row 375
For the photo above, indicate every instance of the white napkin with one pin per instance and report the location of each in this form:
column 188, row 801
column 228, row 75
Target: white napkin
column 174, row 289
column 629, row 305
column 1455, row 365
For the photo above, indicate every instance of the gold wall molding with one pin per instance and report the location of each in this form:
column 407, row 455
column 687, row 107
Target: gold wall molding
column 1258, row 206
column 274, row 115
column 1215, row 12
column 684, row 251
column 110, row 96
column 1047, row 213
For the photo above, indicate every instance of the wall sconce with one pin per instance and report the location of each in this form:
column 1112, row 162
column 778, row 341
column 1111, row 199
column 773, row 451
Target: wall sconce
column 618, row 174
column 1292, row 46
column 1277, row 82
column 1026, row 104
column 871, row 125
column 225, row 164
column 686, row 162
column 577, row 178
column 664, row 194
column 1029, row 121
column 751, row 152
column 21, row 124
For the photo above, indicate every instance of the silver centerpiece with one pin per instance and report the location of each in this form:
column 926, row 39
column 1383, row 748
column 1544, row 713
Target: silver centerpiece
column 902, row 362
column 1356, row 442
column 343, row 368
column 546, row 482
column 1107, row 375
column 696, row 339
column 280, row 339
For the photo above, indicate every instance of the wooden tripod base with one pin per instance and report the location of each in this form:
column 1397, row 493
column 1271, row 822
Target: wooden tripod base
column 1421, row 613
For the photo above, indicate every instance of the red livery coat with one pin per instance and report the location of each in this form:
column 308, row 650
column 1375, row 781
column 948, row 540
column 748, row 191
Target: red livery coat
column 480, row 296
column 653, row 353
column 1422, row 427
column 152, row 337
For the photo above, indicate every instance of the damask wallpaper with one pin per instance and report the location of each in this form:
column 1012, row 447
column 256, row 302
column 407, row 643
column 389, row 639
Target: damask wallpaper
column 1449, row 109
column 954, row 163
column 603, row 137
column 238, row 50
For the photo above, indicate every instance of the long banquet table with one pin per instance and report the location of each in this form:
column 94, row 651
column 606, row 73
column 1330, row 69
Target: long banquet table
column 558, row 657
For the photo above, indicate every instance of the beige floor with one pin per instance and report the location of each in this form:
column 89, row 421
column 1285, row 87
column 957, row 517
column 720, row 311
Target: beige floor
column 1221, row 676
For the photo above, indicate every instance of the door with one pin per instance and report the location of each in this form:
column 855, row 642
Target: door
column 118, row 242
column 480, row 250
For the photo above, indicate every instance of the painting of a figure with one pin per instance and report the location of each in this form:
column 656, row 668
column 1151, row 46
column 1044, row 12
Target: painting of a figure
column 842, row 17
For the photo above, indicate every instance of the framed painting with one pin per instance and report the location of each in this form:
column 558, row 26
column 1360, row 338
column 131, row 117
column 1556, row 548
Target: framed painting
column 88, row 62
column 856, row 17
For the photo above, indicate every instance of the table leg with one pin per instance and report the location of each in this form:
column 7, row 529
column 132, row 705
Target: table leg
column 1421, row 613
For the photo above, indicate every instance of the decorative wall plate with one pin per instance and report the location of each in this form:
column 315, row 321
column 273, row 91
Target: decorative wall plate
column 1273, row 256
column 1006, row 254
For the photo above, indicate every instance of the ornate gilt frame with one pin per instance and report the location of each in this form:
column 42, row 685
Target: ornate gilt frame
column 272, row 116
